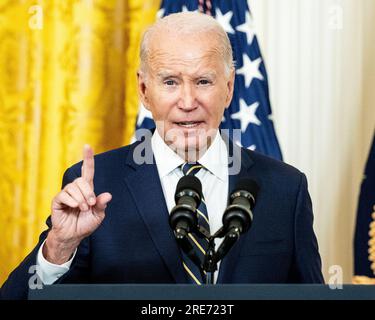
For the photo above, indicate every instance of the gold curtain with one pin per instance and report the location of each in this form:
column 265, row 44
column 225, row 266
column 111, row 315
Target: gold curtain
column 67, row 77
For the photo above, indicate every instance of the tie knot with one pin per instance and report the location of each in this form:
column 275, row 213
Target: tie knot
column 191, row 169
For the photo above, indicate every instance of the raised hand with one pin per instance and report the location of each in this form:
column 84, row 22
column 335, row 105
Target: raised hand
column 76, row 213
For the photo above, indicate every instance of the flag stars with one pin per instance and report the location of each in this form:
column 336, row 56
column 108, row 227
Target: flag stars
column 248, row 28
column 247, row 115
column 253, row 147
column 250, row 70
column 143, row 114
column 224, row 20
column 160, row 13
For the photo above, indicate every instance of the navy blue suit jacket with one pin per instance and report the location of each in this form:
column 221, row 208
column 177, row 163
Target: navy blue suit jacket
column 135, row 244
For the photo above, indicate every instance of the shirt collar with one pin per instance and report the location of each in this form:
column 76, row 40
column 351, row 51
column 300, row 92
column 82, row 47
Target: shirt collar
column 166, row 159
column 215, row 159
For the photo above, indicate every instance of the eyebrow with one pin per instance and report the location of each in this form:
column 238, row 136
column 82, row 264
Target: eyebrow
column 167, row 74
column 208, row 74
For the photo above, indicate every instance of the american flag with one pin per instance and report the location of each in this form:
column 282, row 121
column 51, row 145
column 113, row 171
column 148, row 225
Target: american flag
column 250, row 109
column 364, row 240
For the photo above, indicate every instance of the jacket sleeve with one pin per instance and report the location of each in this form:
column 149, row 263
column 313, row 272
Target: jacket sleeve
column 307, row 263
column 24, row 277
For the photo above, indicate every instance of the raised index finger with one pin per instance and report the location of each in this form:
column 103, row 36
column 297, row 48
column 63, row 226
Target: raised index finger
column 88, row 166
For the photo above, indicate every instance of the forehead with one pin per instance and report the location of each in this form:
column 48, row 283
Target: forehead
column 192, row 53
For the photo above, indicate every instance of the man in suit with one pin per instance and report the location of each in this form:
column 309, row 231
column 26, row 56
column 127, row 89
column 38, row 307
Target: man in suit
column 109, row 223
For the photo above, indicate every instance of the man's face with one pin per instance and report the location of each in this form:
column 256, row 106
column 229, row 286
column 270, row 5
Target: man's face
column 186, row 89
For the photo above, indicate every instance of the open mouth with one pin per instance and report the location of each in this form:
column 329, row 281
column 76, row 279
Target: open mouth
column 189, row 124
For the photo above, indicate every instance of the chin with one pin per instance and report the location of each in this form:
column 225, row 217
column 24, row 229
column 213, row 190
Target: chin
column 183, row 140
column 191, row 148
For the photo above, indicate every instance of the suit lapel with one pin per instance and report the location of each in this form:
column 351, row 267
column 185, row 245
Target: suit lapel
column 144, row 184
column 239, row 154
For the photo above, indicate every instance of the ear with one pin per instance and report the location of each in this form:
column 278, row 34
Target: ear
column 142, row 88
column 230, row 87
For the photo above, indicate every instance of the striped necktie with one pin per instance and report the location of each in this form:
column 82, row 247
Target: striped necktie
column 200, row 245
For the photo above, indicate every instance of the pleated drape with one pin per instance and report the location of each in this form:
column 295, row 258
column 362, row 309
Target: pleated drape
column 67, row 77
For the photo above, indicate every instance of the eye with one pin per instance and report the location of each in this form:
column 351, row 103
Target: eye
column 204, row 82
column 170, row 82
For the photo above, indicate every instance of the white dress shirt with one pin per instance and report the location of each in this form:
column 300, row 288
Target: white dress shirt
column 214, row 178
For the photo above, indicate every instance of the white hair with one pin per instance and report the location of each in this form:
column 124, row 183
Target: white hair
column 184, row 24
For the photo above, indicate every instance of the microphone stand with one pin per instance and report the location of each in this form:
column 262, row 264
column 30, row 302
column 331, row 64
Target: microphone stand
column 212, row 257
column 210, row 264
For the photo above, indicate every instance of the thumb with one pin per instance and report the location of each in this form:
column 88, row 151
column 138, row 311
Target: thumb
column 102, row 201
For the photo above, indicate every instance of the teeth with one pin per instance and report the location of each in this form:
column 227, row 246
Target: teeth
column 188, row 124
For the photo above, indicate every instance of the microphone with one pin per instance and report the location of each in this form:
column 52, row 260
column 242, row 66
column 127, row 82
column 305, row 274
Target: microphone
column 238, row 217
column 183, row 218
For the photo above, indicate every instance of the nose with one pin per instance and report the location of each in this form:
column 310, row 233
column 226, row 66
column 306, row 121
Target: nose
column 188, row 99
